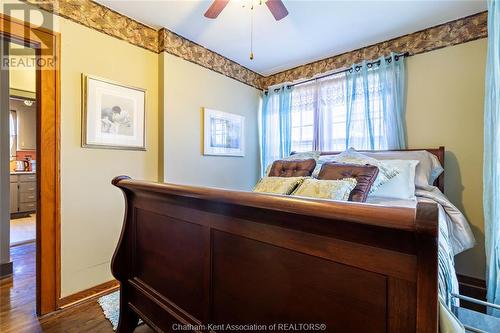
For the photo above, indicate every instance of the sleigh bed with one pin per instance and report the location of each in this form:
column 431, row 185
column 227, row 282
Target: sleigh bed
column 192, row 258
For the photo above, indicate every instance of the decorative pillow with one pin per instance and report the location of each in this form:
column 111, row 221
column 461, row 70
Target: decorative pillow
column 278, row 185
column 297, row 156
column 354, row 157
column 428, row 168
column 326, row 189
column 322, row 160
column 292, row 168
column 403, row 185
column 304, row 155
column 365, row 175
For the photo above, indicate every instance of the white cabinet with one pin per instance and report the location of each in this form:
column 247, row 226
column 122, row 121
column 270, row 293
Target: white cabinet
column 22, row 193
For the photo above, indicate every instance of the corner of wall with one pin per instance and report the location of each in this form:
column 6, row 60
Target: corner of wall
column 161, row 117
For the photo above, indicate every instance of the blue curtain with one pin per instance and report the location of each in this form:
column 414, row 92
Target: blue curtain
column 276, row 125
column 375, row 104
column 491, row 171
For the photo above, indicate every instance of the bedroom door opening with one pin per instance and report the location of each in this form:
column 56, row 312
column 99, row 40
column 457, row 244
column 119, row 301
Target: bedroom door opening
column 22, row 111
column 29, row 167
column 18, row 220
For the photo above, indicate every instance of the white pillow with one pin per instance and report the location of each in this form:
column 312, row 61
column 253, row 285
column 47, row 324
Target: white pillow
column 427, row 170
column 402, row 186
column 386, row 172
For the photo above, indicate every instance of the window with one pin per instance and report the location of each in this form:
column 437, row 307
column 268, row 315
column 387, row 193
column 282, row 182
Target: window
column 320, row 109
column 361, row 108
column 303, row 113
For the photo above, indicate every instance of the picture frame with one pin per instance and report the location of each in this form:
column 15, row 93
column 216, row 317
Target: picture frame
column 113, row 115
column 223, row 133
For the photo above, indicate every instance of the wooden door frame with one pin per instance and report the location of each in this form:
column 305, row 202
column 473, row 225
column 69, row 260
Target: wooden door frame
column 48, row 259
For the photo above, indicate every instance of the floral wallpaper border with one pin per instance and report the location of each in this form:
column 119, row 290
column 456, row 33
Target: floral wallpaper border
column 448, row 34
column 105, row 20
column 172, row 43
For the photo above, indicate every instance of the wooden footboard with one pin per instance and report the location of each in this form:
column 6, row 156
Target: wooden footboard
column 195, row 258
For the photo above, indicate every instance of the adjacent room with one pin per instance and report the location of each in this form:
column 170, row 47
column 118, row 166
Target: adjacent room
column 250, row 165
column 22, row 122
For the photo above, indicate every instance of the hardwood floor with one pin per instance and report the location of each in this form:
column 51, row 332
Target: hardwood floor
column 17, row 304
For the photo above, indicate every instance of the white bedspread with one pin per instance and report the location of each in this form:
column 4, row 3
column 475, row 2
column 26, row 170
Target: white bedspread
column 459, row 232
column 461, row 236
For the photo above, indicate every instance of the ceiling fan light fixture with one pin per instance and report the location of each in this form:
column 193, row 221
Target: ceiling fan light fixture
column 276, row 7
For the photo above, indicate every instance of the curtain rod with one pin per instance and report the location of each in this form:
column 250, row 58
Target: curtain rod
column 369, row 64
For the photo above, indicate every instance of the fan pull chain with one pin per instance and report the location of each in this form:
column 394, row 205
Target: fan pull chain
column 251, row 32
column 251, row 3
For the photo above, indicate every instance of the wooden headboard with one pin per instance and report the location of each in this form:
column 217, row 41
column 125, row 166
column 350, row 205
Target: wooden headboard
column 438, row 152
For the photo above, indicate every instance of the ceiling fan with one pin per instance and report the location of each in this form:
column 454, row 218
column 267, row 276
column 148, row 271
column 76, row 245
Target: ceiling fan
column 276, row 7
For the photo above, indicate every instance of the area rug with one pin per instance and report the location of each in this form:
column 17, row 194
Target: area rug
column 110, row 305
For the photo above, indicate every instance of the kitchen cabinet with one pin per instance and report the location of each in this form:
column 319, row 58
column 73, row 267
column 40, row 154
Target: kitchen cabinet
column 22, row 193
column 14, row 206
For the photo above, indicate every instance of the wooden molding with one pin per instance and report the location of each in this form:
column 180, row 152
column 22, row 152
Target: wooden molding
column 91, row 293
column 47, row 45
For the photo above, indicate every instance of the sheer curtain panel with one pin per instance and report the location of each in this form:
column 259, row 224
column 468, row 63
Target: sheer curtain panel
column 363, row 108
column 491, row 172
column 375, row 104
column 276, row 125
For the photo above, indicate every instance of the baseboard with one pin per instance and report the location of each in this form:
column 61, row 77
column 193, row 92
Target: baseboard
column 84, row 295
column 472, row 287
column 6, row 269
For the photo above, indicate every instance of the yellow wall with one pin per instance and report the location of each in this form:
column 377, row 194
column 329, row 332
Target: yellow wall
column 445, row 108
column 22, row 77
column 187, row 88
column 91, row 208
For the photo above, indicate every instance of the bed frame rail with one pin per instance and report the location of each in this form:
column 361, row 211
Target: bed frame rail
column 203, row 256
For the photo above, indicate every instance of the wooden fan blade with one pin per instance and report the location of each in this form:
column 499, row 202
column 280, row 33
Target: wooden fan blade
column 277, row 8
column 216, row 8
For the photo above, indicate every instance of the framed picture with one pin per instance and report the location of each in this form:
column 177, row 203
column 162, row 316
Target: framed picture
column 224, row 133
column 113, row 115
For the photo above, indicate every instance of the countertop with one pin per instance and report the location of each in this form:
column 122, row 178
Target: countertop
column 22, row 173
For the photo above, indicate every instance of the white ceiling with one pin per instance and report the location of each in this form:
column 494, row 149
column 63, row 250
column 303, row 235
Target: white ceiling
column 313, row 30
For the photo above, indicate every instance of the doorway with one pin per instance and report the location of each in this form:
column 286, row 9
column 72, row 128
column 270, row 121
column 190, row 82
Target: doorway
column 22, row 130
column 36, row 161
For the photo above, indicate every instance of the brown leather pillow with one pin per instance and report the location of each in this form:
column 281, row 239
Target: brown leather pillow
column 292, row 168
column 365, row 175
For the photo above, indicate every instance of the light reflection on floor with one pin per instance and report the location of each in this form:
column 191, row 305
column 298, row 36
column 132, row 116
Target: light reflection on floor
column 22, row 230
